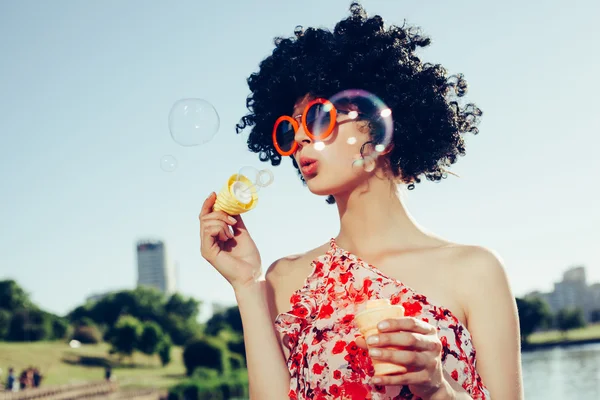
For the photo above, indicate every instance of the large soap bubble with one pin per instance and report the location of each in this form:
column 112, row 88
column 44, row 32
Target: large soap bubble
column 193, row 122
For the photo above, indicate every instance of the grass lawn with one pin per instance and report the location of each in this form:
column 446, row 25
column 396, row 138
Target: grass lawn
column 61, row 364
column 589, row 332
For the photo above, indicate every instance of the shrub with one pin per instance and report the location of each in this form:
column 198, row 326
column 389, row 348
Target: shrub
column 164, row 350
column 87, row 335
column 206, row 352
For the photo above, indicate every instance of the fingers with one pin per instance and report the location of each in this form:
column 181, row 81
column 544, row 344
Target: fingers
column 223, row 232
column 406, row 340
column 208, row 204
column 406, row 324
column 239, row 224
column 360, row 342
column 411, row 360
column 410, row 378
column 212, row 232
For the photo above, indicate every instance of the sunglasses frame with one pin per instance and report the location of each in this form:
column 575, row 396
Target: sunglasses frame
column 333, row 119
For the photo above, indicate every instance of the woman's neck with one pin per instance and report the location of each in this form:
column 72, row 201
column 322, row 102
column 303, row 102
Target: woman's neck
column 374, row 219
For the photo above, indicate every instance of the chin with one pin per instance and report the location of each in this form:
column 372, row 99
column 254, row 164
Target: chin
column 325, row 186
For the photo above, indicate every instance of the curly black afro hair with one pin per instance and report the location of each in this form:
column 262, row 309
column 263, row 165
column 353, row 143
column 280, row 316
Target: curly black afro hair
column 362, row 53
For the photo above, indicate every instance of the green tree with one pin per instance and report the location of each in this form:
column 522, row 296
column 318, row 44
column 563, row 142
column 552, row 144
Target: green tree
column 164, row 350
column 151, row 337
column 5, row 318
column 29, row 325
column 569, row 318
column 124, row 336
column 181, row 330
column 177, row 315
column 228, row 318
column 12, row 296
column 60, row 328
column 186, row 308
column 87, row 334
column 534, row 313
column 206, row 352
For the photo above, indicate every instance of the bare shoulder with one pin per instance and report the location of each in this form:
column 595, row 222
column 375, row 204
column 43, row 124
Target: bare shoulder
column 293, row 264
column 474, row 263
column 287, row 275
column 481, row 278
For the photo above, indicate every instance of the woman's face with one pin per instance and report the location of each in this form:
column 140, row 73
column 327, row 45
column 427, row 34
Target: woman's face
column 328, row 166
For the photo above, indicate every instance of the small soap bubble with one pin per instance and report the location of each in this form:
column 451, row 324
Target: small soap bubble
column 168, row 163
column 193, row 122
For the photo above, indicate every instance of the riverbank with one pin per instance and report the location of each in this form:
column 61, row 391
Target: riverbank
column 575, row 337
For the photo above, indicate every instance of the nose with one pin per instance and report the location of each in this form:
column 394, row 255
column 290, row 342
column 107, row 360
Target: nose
column 301, row 137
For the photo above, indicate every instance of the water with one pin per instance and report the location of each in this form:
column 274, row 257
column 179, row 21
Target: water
column 562, row 373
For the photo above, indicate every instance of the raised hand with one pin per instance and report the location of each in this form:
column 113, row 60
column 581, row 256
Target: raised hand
column 230, row 250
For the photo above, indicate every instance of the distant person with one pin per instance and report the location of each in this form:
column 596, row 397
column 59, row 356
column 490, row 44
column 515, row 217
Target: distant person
column 23, row 380
column 108, row 374
column 10, row 379
column 37, row 378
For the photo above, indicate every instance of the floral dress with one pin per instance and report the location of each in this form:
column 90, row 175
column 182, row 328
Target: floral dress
column 326, row 363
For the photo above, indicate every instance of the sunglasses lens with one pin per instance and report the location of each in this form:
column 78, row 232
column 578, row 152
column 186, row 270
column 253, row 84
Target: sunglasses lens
column 284, row 135
column 318, row 119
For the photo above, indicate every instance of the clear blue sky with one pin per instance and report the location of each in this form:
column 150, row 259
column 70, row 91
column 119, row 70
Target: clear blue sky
column 86, row 88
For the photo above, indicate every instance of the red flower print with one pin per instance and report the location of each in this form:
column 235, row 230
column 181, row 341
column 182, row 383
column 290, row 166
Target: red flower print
column 412, row 309
column 292, row 395
column 317, row 369
column 352, row 348
column 339, row 347
column 300, row 311
column 420, row 298
column 395, row 299
column 344, row 277
column 295, row 298
column 348, row 319
column 454, row 375
column 355, row 390
column 337, row 374
column 326, row 311
column 334, row 389
column 438, row 313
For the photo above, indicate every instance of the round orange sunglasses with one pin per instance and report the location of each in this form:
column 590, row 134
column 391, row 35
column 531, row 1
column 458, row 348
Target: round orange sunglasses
column 318, row 120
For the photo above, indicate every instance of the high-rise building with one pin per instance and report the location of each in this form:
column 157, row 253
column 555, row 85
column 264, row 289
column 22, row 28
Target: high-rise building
column 571, row 292
column 153, row 268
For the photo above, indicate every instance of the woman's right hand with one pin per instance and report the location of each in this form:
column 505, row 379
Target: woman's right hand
column 234, row 255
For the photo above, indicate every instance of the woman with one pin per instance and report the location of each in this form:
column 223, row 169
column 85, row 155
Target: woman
column 314, row 350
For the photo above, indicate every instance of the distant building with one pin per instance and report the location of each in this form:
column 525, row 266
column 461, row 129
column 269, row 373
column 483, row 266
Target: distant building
column 153, row 268
column 97, row 297
column 572, row 292
column 594, row 297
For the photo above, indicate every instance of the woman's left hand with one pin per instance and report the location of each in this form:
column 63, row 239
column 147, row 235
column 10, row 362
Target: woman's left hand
column 414, row 344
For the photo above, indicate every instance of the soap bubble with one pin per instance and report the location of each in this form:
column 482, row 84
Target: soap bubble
column 193, row 122
column 168, row 163
column 358, row 105
column 249, row 181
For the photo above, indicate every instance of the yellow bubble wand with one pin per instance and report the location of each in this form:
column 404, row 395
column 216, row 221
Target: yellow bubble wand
column 240, row 193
